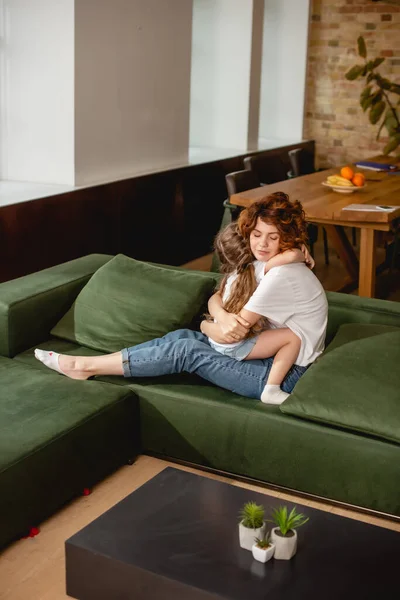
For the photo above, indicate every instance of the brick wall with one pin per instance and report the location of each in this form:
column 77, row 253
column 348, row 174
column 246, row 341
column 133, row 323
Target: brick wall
column 333, row 116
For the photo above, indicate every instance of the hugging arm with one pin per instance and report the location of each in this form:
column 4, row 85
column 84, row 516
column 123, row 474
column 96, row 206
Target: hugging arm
column 228, row 327
column 291, row 256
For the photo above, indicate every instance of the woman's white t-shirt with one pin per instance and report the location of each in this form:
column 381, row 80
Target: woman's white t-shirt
column 291, row 296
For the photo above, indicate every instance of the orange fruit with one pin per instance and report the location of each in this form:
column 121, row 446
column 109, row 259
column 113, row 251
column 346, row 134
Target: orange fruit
column 358, row 179
column 347, row 173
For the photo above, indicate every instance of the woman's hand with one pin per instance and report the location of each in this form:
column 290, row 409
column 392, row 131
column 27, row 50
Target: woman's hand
column 214, row 331
column 310, row 262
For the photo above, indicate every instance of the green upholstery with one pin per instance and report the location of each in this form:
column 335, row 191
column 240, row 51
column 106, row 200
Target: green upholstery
column 128, row 302
column 350, row 332
column 186, row 418
column 181, row 417
column 345, row 308
column 354, row 386
column 57, row 436
column 48, row 293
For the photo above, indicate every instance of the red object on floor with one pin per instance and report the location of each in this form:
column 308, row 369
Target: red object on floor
column 34, row 531
column 86, row 492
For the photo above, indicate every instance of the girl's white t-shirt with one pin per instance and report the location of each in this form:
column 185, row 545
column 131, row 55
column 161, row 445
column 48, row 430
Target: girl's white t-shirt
column 291, row 296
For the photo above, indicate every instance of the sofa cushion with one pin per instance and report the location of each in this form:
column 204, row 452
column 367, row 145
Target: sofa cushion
column 181, row 416
column 354, row 385
column 128, row 302
column 57, row 436
column 350, row 332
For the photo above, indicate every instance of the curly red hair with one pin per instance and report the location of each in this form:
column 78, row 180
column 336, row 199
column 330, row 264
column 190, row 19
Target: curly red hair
column 276, row 209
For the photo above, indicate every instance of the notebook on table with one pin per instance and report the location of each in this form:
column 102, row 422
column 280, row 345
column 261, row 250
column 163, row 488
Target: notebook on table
column 376, row 166
column 371, row 207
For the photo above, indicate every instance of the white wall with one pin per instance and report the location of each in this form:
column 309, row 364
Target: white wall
column 222, row 49
column 132, row 86
column 37, row 80
column 284, row 65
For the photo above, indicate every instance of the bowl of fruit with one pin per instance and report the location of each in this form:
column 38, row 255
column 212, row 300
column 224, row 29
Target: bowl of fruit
column 347, row 182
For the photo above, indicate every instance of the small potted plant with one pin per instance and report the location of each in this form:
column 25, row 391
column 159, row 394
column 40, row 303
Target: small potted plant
column 284, row 536
column 251, row 524
column 263, row 549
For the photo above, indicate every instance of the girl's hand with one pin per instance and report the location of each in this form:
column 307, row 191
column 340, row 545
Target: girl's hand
column 213, row 331
column 233, row 327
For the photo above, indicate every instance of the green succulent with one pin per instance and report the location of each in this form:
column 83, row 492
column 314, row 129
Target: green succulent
column 377, row 97
column 264, row 542
column 287, row 521
column 252, row 515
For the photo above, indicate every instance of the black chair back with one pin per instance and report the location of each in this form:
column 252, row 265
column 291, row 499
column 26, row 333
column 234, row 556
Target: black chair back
column 240, row 181
column 301, row 162
column 268, row 169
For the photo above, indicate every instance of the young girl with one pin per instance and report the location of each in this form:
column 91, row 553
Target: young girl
column 242, row 275
column 288, row 296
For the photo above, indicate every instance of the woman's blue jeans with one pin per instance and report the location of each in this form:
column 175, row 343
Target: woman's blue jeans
column 189, row 351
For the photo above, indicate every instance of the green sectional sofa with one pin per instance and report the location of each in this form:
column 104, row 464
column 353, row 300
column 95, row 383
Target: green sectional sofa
column 336, row 437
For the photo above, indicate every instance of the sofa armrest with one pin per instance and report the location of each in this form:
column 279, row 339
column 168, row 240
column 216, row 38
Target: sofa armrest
column 31, row 305
column 346, row 308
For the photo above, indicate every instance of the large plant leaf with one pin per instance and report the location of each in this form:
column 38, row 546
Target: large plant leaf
column 376, row 112
column 392, row 144
column 380, row 129
column 354, row 72
column 366, row 92
column 376, row 97
column 390, row 122
column 383, row 83
column 371, row 100
column 378, row 61
column 362, row 48
column 369, row 66
column 395, row 88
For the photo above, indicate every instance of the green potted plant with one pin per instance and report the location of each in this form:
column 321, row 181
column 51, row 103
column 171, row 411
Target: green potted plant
column 284, row 535
column 251, row 524
column 380, row 97
column 263, row 549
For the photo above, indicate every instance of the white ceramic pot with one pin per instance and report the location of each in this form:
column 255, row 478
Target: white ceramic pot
column 263, row 554
column 285, row 547
column 248, row 535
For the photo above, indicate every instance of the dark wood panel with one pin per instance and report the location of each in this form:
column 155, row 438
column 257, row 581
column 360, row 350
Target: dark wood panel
column 169, row 217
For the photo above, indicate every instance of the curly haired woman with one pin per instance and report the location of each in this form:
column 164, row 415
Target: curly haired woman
column 289, row 296
column 242, row 275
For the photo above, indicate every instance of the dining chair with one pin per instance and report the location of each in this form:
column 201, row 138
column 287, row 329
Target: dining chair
column 268, row 169
column 240, row 181
column 302, row 163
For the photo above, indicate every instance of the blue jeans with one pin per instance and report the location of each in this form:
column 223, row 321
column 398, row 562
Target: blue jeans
column 189, row 351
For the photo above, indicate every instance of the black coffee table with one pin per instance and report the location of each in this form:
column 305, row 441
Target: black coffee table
column 176, row 537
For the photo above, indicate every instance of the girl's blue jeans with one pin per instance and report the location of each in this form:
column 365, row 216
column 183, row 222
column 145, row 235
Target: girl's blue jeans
column 189, row 351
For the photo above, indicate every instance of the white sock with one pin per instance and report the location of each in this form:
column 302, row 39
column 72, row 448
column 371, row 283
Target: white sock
column 50, row 359
column 272, row 394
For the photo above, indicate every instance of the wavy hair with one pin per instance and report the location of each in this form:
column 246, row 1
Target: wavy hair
column 235, row 256
column 232, row 244
column 276, row 209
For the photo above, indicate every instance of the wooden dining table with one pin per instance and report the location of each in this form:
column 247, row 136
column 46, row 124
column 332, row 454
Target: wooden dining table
column 326, row 207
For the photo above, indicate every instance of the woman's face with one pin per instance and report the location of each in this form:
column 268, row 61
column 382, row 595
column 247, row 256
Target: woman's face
column 264, row 241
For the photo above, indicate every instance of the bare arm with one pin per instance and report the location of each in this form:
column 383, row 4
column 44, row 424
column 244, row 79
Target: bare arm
column 230, row 324
column 290, row 256
column 213, row 331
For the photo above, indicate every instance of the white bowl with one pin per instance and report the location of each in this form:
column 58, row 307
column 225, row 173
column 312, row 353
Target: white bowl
column 344, row 189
